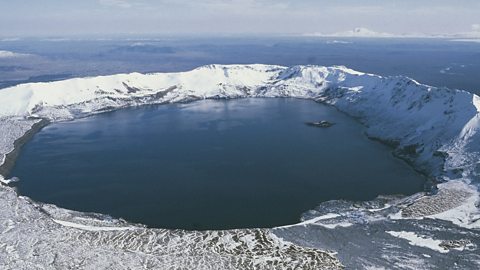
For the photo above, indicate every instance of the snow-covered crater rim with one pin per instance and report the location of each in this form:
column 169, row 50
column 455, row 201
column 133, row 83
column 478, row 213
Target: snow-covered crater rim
column 434, row 128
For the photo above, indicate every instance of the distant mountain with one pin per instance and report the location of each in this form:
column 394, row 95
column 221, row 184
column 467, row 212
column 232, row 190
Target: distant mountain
column 357, row 32
column 362, row 32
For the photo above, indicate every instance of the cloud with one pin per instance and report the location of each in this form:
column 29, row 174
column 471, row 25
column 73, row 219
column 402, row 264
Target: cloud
column 116, row 3
column 9, row 54
column 9, row 39
column 476, row 27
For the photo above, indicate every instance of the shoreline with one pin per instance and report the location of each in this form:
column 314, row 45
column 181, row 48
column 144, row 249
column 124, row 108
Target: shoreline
column 11, row 157
column 392, row 229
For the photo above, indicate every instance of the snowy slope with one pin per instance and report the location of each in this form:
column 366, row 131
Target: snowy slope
column 430, row 124
column 95, row 93
column 435, row 129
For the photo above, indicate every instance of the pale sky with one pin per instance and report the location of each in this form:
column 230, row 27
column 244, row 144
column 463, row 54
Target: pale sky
column 100, row 17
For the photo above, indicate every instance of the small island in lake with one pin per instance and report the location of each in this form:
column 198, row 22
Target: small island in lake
column 322, row 124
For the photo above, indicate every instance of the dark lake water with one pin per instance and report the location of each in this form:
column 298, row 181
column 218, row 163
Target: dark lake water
column 209, row 164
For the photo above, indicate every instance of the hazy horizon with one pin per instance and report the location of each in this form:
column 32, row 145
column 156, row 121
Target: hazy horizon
column 235, row 17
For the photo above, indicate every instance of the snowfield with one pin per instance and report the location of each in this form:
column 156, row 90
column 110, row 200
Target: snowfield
column 434, row 129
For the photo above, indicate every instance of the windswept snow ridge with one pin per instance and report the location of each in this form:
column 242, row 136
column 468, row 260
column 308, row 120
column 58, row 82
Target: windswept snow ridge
column 434, row 129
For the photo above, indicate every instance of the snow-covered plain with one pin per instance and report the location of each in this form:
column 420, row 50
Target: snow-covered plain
column 434, row 129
